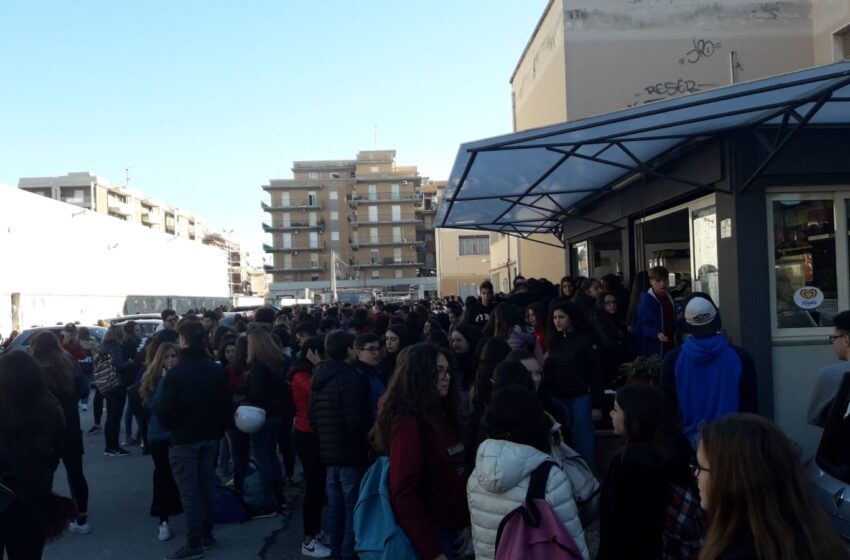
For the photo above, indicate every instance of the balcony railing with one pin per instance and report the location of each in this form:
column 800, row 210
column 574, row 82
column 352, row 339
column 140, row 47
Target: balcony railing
column 295, row 268
column 382, row 220
column 119, row 207
column 319, row 246
column 354, row 198
column 295, row 205
column 384, row 262
column 151, row 217
column 356, row 242
column 294, row 226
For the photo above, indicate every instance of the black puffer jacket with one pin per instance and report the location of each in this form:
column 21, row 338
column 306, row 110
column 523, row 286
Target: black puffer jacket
column 269, row 390
column 195, row 403
column 341, row 414
column 569, row 369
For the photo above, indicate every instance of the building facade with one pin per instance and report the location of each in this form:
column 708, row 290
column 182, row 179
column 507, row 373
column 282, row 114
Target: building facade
column 369, row 212
column 100, row 195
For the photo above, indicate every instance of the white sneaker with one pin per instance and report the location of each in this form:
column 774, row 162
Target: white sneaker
column 84, row 407
column 315, row 549
column 164, row 531
column 83, row 529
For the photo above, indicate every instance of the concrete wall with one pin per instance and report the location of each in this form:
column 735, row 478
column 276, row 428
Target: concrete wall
column 71, row 264
column 542, row 261
column 456, row 273
column 621, row 53
column 828, row 17
column 539, row 81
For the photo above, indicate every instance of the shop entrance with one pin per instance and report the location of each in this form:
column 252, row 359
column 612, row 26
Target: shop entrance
column 684, row 241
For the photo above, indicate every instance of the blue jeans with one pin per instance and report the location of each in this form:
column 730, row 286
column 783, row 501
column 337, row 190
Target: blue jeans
column 193, row 467
column 578, row 412
column 343, row 488
column 264, row 447
column 240, row 451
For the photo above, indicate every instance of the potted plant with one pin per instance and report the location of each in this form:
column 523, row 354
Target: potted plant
column 643, row 369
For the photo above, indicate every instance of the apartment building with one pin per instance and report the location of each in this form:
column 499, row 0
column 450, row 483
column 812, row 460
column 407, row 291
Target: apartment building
column 369, row 212
column 100, row 195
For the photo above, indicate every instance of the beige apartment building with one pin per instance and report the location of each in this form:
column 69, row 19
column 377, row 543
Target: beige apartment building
column 100, row 195
column 369, row 211
column 588, row 57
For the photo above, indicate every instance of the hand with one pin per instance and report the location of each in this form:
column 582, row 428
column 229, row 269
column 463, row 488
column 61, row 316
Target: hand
column 313, row 356
column 663, row 337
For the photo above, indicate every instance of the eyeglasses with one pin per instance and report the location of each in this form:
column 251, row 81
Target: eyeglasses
column 696, row 468
column 443, row 371
column 371, row 349
column 834, row 337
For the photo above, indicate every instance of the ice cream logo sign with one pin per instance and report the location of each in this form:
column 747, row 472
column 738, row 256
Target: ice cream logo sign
column 808, row 297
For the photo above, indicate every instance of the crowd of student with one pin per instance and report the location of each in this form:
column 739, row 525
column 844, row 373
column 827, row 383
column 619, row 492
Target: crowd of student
column 469, row 402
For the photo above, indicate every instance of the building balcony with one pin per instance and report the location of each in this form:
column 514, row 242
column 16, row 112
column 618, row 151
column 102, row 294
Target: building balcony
column 354, row 199
column 295, row 268
column 320, row 246
column 294, row 226
column 303, row 205
column 295, row 184
column 151, row 218
column 383, row 221
column 356, row 243
column 385, row 262
column 118, row 207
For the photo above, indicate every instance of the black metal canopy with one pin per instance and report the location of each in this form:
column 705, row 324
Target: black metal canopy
column 528, row 182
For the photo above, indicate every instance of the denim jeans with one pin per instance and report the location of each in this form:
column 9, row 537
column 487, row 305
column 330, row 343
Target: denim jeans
column 578, row 412
column 240, row 451
column 264, row 448
column 343, row 488
column 193, row 467
column 114, row 410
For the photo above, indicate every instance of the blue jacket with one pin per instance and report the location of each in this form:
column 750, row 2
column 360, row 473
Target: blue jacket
column 155, row 430
column 649, row 321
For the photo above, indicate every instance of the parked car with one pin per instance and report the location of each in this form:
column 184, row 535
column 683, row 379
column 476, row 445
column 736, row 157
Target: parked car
column 829, row 469
column 22, row 341
column 136, row 317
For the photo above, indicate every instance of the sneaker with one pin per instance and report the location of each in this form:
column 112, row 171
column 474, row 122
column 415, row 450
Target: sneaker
column 209, row 542
column 315, row 549
column 84, row 407
column 119, row 452
column 95, row 428
column 164, row 531
column 261, row 513
column 83, row 529
column 186, row 553
column 130, row 441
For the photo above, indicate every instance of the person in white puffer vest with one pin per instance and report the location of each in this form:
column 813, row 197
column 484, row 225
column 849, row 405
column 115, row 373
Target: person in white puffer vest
column 517, row 443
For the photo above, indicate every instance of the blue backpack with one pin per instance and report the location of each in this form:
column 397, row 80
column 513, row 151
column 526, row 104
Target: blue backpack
column 377, row 534
column 229, row 507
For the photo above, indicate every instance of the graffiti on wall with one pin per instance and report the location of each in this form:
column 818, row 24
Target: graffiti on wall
column 702, row 49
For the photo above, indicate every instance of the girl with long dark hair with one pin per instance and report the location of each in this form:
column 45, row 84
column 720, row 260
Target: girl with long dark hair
column 396, row 339
column 569, row 375
column 418, row 428
column 636, row 490
column 32, row 434
column 66, row 383
column 111, row 347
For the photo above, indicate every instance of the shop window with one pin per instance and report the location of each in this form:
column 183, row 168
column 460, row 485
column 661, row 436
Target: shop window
column 805, row 277
column 704, row 224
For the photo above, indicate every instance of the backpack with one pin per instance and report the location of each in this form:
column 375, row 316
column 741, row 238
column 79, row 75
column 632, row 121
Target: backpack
column 586, row 488
column 684, row 525
column 106, row 378
column 533, row 531
column 229, row 506
column 253, row 490
column 377, row 534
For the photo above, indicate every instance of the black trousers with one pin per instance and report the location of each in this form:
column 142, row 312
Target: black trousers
column 166, row 495
column 76, row 480
column 284, row 443
column 307, row 447
column 98, row 406
column 114, row 411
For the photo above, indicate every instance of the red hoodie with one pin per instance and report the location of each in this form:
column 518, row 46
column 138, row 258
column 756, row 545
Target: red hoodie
column 427, row 491
column 300, row 378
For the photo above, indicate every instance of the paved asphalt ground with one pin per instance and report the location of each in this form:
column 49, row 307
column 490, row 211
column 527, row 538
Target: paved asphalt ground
column 119, row 505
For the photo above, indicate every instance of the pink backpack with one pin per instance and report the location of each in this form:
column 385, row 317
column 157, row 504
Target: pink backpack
column 533, row 531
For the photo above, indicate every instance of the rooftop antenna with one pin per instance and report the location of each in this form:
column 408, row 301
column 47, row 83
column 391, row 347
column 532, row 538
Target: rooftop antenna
column 376, row 136
column 127, row 176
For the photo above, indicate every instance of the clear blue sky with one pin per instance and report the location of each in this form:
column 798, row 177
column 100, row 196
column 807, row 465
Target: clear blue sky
column 207, row 100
